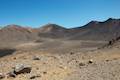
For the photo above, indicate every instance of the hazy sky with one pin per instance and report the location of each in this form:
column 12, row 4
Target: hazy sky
column 68, row 13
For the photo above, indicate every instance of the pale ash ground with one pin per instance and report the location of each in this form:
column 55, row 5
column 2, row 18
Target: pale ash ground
column 56, row 66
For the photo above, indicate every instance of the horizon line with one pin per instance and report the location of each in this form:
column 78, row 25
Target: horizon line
column 59, row 25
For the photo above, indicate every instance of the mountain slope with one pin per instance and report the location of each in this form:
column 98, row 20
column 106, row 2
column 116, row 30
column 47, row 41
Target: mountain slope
column 97, row 30
column 13, row 34
column 94, row 30
column 52, row 31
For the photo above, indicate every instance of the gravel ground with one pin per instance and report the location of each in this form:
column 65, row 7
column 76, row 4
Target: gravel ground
column 105, row 65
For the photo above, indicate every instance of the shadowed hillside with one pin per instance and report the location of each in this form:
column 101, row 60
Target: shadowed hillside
column 97, row 30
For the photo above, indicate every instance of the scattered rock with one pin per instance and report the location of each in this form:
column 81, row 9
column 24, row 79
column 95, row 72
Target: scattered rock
column 36, row 58
column 33, row 77
column 81, row 64
column 14, row 58
column 71, row 53
column 90, row 61
column 37, row 68
column 115, row 58
column 2, row 76
column 61, row 67
column 38, row 41
column 44, row 72
column 107, row 60
column 11, row 74
column 21, row 69
column 76, row 61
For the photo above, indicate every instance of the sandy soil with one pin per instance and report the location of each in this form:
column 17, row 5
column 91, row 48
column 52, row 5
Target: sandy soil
column 75, row 66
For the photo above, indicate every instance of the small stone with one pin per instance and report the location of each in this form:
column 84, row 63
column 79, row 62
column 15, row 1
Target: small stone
column 33, row 77
column 81, row 64
column 37, row 68
column 14, row 58
column 71, row 53
column 107, row 60
column 11, row 74
column 36, row 58
column 45, row 72
column 90, row 61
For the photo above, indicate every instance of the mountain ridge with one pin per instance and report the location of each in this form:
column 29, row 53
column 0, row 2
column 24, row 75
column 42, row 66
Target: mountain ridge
column 106, row 30
column 52, row 25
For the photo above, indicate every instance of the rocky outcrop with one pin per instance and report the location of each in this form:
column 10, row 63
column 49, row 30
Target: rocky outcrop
column 19, row 69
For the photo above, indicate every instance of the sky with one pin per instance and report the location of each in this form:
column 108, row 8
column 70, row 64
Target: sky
column 67, row 13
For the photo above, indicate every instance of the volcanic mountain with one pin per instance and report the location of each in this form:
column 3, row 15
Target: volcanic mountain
column 52, row 31
column 15, row 33
column 94, row 30
column 106, row 30
column 89, row 52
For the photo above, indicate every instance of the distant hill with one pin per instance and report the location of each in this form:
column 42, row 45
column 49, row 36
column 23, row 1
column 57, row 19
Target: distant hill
column 94, row 30
column 52, row 31
column 15, row 33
